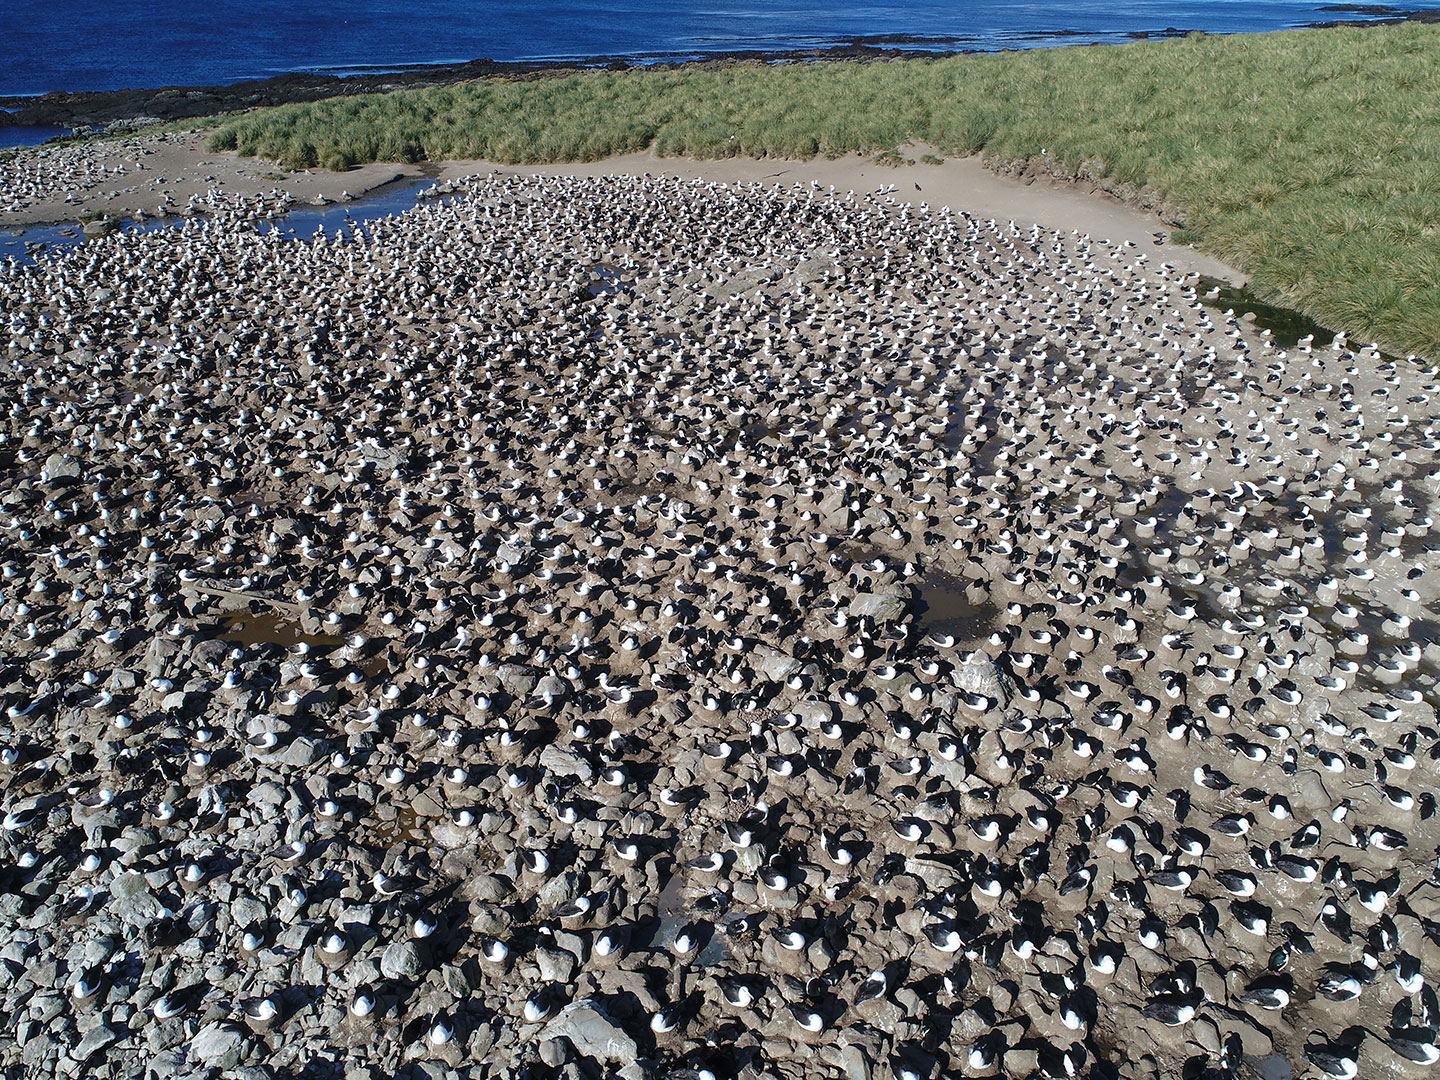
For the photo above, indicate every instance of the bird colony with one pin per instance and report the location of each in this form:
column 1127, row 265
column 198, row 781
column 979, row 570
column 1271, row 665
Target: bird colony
column 650, row 628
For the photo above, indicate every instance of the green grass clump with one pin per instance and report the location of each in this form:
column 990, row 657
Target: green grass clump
column 1310, row 158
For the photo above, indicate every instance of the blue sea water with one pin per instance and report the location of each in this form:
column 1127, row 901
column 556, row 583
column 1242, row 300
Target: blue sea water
column 114, row 44
column 10, row 135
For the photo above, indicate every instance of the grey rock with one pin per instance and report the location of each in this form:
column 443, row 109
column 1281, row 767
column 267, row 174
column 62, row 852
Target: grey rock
column 554, row 1052
column 591, row 1032
column 979, row 674
column 565, row 761
column 73, row 638
column 45, row 1007
column 35, row 1052
column 882, row 607
column 511, row 553
column 1312, row 792
column 879, row 517
column 61, row 466
column 517, row 679
column 554, row 687
column 135, row 842
column 217, row 1045
column 856, row 1064
column 165, row 1064
column 383, row 457
column 158, row 654
column 489, row 919
column 481, row 1040
column 96, row 1039
column 303, row 752
column 574, row 944
column 748, row 860
column 401, row 960
column 456, row 981
column 970, row 1025
column 556, row 965
column 128, row 884
column 774, row 665
column 1021, row 1061
column 487, row 888
column 140, row 910
column 246, row 911
column 311, row 970
column 814, row 713
column 457, row 842
column 559, row 889
column 268, row 794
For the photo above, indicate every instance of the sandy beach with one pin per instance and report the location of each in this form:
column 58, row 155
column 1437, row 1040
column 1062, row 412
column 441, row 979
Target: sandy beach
column 617, row 623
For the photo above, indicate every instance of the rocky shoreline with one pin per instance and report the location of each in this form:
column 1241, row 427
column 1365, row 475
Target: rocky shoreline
column 121, row 110
column 100, row 108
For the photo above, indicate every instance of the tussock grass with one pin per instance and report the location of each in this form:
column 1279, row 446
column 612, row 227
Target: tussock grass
column 1310, row 159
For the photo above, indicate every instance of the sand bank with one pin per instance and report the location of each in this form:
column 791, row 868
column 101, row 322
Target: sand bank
column 960, row 183
column 148, row 173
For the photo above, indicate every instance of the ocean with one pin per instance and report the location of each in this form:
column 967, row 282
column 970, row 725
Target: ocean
column 116, row 44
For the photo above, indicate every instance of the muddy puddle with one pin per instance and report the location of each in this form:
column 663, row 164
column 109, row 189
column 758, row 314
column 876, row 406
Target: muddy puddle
column 605, row 280
column 406, row 826
column 749, row 436
column 1286, row 325
column 247, row 629
column 675, row 915
column 944, row 608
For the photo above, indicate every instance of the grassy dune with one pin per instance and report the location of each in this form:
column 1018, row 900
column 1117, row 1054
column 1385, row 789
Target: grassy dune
column 1310, row 159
